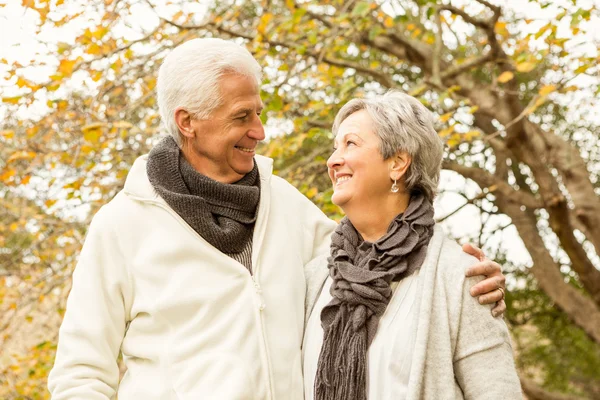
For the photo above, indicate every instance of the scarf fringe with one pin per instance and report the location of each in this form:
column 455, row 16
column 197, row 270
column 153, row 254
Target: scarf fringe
column 342, row 376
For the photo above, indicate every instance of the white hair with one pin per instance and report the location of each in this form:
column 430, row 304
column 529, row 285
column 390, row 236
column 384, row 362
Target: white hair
column 189, row 78
column 402, row 123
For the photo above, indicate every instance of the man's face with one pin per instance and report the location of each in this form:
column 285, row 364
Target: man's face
column 223, row 146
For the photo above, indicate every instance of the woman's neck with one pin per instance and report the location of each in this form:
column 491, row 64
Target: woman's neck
column 373, row 220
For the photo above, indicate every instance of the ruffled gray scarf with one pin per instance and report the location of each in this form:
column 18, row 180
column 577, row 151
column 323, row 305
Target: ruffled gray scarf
column 223, row 214
column 362, row 273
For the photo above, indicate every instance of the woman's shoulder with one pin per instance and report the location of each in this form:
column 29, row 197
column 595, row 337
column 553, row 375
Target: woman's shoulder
column 453, row 255
column 452, row 261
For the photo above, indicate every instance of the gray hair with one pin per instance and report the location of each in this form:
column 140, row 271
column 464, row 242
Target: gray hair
column 189, row 78
column 402, row 123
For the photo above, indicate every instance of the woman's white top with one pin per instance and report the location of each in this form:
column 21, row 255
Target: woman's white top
column 390, row 354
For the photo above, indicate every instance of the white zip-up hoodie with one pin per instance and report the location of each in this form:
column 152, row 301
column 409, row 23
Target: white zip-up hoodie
column 191, row 322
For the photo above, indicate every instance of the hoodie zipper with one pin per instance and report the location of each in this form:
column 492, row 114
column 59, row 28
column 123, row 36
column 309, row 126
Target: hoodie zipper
column 257, row 289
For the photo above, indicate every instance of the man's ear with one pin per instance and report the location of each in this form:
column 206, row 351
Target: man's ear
column 399, row 164
column 183, row 119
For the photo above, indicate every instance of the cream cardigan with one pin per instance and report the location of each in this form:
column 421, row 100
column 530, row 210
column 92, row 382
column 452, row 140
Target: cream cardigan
column 460, row 350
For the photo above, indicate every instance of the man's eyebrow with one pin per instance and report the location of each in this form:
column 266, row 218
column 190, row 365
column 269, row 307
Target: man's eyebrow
column 246, row 110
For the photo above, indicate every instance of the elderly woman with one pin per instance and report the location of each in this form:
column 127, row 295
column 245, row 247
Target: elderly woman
column 395, row 320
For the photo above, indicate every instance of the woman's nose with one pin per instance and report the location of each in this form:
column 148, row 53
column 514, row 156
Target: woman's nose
column 334, row 160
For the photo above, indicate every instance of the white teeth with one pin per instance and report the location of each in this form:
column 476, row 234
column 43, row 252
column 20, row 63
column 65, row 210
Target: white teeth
column 244, row 149
column 342, row 179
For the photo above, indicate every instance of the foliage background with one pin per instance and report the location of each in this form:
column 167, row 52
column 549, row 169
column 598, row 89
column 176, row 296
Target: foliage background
column 514, row 86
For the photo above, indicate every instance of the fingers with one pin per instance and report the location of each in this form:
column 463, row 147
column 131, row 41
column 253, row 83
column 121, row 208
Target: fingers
column 486, row 267
column 492, row 297
column 474, row 251
column 500, row 308
column 489, row 286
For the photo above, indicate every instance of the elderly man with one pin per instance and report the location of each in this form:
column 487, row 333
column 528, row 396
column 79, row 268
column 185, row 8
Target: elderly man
column 194, row 272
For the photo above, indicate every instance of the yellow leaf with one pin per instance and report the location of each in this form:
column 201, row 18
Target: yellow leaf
column 446, row 117
column 525, row 66
column 505, row 76
column 100, row 32
column 7, row 134
column 312, row 192
column 410, row 27
column 50, row 202
column 14, row 226
column 264, row 21
column 445, row 132
column 11, row 100
column 473, row 109
column 96, row 75
column 92, row 132
column 93, row 49
column 500, row 27
column 66, row 67
column 539, row 102
column 470, row 135
column 388, row 22
column 547, row 89
column 25, row 180
column 418, row 90
column 21, row 155
column 122, row 124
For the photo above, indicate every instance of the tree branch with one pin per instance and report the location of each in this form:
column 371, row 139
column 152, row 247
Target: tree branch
column 473, row 21
column 486, row 180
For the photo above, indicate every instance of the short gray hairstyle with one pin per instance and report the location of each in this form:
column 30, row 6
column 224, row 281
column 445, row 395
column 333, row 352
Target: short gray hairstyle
column 189, row 78
column 402, row 123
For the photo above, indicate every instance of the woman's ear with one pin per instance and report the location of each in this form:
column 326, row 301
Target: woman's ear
column 399, row 164
column 183, row 119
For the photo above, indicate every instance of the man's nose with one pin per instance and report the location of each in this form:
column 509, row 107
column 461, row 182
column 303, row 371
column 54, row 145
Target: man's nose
column 257, row 131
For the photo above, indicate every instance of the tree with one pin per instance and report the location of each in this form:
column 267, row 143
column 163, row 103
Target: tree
column 501, row 85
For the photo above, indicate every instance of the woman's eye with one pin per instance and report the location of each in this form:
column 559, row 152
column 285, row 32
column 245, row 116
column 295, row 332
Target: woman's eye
column 349, row 142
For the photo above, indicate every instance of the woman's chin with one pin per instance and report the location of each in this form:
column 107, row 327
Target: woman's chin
column 339, row 199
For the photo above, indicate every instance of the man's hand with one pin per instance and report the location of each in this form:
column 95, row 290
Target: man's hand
column 487, row 290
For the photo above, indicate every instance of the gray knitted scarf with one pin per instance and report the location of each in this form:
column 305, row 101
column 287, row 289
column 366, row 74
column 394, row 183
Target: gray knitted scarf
column 362, row 273
column 223, row 214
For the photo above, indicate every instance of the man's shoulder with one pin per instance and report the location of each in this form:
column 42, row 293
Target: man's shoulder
column 119, row 209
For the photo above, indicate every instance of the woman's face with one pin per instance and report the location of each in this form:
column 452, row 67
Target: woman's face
column 356, row 168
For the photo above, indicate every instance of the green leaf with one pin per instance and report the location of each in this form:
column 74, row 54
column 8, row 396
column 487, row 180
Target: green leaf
column 375, row 31
column 361, row 9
